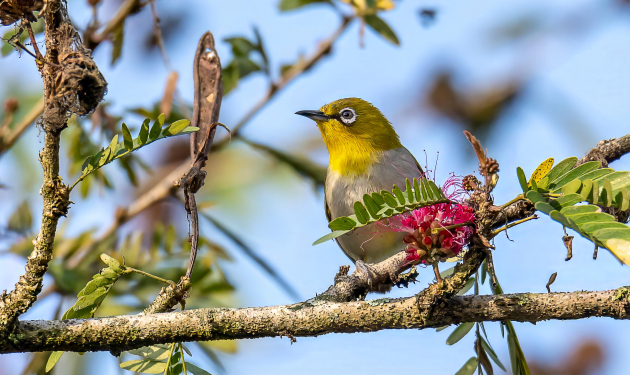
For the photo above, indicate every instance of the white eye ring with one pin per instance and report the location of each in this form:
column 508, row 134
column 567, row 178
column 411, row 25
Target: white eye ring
column 350, row 119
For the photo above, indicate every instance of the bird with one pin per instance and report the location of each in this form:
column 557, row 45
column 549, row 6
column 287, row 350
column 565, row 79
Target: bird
column 366, row 156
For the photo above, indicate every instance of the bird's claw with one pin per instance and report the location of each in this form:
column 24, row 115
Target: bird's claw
column 367, row 270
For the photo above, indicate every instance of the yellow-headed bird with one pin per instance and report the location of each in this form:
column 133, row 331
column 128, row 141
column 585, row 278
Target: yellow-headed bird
column 366, row 156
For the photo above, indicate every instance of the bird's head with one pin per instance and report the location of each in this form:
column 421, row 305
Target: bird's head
column 354, row 131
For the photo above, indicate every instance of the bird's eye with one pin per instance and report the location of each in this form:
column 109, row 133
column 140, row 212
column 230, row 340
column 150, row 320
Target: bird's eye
column 347, row 115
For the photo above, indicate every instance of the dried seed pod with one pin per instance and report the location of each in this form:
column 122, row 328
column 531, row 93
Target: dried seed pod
column 470, row 183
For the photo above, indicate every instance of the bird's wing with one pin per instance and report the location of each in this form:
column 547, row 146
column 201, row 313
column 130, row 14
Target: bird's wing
column 328, row 214
column 414, row 159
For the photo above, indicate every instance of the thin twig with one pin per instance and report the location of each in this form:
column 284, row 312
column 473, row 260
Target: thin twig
column 169, row 282
column 23, row 47
column 125, row 10
column 158, row 36
column 512, row 224
column 6, row 142
column 34, row 42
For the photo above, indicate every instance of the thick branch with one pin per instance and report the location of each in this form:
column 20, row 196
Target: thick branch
column 608, row 151
column 54, row 192
column 308, row 319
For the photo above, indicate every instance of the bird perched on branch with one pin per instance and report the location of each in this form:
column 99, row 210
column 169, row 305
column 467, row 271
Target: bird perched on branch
column 366, row 156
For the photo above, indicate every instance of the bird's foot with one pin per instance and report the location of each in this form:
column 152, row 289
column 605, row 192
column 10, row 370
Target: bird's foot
column 367, row 270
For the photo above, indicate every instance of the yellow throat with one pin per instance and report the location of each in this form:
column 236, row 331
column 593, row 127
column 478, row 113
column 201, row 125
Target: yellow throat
column 355, row 133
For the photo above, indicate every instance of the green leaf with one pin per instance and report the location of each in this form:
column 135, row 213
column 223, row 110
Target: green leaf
column 409, row 191
column 128, row 141
column 561, row 168
column 399, row 195
column 94, row 284
column 459, row 333
column 186, row 349
column 491, row 354
column 155, row 352
column 425, row 190
column 118, row 150
column 417, row 191
column 556, row 185
column 382, row 28
column 362, row 215
column 143, row 137
column 591, row 217
column 117, row 36
column 572, row 187
column 285, row 5
column 597, row 174
column 378, row 199
column 145, row 366
column 522, row 180
column 544, row 207
column 623, row 203
column 591, row 228
column 111, row 262
column 517, row 358
column 587, row 190
column 535, row 196
column 448, row 272
column 469, row 284
column 52, row 360
column 330, row 236
column 557, row 216
column 196, row 370
column 543, row 183
column 607, row 193
column 342, row 223
column 435, row 190
column 156, row 129
column 469, row 367
column 620, row 247
column 577, row 210
column 390, row 200
column 566, row 200
column 372, row 207
column 175, row 128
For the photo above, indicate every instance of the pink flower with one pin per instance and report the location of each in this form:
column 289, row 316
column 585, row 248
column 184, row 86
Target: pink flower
column 433, row 231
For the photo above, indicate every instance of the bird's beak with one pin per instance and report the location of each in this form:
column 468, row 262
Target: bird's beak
column 314, row 115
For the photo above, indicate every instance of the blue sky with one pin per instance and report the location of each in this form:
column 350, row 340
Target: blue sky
column 576, row 93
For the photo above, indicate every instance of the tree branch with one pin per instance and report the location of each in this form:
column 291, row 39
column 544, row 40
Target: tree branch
column 607, row 151
column 121, row 333
column 67, row 62
column 7, row 141
column 54, row 192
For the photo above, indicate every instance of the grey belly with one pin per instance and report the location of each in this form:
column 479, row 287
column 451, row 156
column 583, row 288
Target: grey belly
column 370, row 246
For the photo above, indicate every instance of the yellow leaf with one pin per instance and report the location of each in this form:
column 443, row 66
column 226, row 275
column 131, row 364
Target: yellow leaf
column 361, row 6
column 226, row 346
column 541, row 171
column 385, row 5
column 620, row 248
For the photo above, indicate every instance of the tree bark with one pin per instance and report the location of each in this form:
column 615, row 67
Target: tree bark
column 306, row 319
